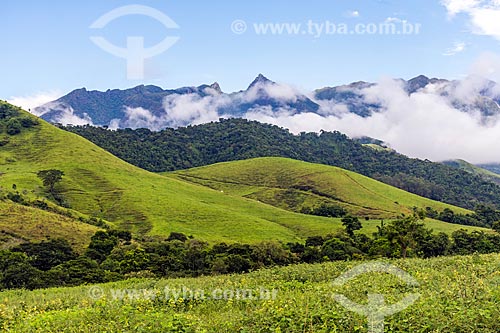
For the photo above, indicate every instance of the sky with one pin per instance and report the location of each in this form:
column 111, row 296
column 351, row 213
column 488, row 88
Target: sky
column 47, row 48
column 50, row 48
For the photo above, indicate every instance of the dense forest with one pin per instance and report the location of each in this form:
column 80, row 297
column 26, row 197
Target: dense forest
column 236, row 139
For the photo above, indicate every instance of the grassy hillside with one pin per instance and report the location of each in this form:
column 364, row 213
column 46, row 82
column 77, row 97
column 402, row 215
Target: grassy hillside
column 457, row 294
column 19, row 224
column 99, row 184
column 293, row 185
column 240, row 139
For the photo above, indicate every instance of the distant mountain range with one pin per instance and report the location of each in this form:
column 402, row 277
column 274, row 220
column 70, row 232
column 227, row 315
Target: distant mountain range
column 156, row 108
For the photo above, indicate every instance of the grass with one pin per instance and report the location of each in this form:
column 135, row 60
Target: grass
column 19, row 224
column 99, row 184
column 292, row 184
column 457, row 294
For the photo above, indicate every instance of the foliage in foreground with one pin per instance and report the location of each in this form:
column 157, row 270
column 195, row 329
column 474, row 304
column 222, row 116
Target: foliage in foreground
column 113, row 255
column 457, row 294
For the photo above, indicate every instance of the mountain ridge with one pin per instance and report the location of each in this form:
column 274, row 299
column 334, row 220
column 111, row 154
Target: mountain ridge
column 117, row 108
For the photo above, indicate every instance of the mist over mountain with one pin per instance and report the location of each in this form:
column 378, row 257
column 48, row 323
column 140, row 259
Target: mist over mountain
column 422, row 117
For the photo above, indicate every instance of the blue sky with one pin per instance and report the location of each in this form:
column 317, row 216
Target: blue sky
column 46, row 46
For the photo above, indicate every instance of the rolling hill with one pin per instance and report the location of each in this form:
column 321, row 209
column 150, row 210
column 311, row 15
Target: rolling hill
column 239, row 139
column 294, row 185
column 99, row 184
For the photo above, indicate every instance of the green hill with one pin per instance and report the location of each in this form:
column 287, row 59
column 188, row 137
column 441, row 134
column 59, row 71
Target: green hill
column 295, row 185
column 240, row 139
column 99, row 184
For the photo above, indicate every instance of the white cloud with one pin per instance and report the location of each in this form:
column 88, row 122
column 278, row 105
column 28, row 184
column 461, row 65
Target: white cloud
column 32, row 101
column 483, row 14
column 193, row 109
column 139, row 118
column 281, row 92
column 424, row 124
column 352, row 14
column 458, row 47
column 394, row 20
column 488, row 66
column 457, row 6
column 63, row 114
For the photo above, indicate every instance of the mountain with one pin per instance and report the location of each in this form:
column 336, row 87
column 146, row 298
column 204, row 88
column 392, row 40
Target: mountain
column 155, row 108
column 110, row 107
column 238, row 139
column 100, row 185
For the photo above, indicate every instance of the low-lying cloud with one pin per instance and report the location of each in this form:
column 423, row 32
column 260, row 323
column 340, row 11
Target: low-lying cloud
column 32, row 101
column 424, row 124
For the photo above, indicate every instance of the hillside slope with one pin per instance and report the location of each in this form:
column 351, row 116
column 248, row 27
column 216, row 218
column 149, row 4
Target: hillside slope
column 99, row 184
column 475, row 170
column 239, row 139
column 19, row 224
column 294, row 185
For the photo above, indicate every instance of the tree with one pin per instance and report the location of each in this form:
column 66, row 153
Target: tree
column 47, row 254
column 50, row 178
column 406, row 234
column 351, row 223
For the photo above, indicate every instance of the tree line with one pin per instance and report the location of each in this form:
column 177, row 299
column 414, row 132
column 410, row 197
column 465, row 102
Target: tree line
column 114, row 255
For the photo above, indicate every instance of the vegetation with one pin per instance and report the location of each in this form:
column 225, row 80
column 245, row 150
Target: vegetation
column 476, row 170
column 310, row 188
column 457, row 294
column 101, row 186
column 20, row 224
column 114, row 255
column 238, row 139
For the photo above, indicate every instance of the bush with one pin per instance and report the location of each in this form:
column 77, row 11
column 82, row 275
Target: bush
column 13, row 126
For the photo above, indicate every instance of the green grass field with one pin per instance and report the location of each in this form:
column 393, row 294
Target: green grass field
column 98, row 184
column 292, row 185
column 457, row 294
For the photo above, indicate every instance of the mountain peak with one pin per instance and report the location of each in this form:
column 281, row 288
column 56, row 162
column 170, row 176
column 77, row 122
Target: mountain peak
column 215, row 86
column 259, row 79
column 417, row 83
